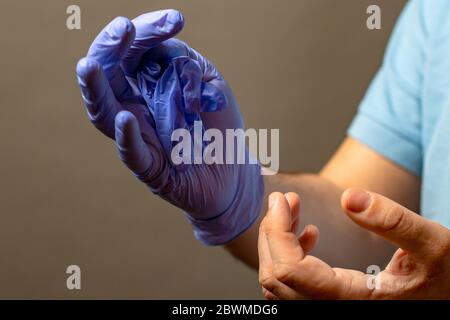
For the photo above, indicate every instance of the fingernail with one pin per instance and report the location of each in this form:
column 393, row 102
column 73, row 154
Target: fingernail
column 358, row 201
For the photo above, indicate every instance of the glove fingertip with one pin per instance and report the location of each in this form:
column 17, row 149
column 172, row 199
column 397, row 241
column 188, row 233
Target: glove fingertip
column 89, row 76
column 126, row 124
column 129, row 143
column 163, row 23
column 86, row 67
column 122, row 26
column 176, row 19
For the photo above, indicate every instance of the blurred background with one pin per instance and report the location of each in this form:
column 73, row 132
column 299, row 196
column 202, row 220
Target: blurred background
column 298, row 65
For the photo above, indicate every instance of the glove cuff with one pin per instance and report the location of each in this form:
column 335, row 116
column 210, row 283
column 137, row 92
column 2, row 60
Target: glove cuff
column 238, row 217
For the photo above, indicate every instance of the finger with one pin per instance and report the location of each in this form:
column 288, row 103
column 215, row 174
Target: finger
column 173, row 48
column 130, row 145
column 164, row 52
column 177, row 100
column 309, row 238
column 392, row 221
column 269, row 295
column 401, row 263
column 151, row 29
column 265, row 260
column 283, row 244
column 212, row 98
column 272, row 288
column 97, row 95
column 190, row 76
column 109, row 48
column 168, row 103
column 294, row 205
column 212, row 95
column 279, row 215
column 314, row 279
column 141, row 151
column 309, row 276
column 220, row 109
column 227, row 115
column 198, row 96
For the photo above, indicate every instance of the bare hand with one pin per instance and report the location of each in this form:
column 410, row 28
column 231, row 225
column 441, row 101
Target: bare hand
column 419, row 269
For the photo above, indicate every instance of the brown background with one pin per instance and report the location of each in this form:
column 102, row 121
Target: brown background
column 298, row 65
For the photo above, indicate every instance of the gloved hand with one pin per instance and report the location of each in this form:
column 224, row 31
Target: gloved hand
column 139, row 84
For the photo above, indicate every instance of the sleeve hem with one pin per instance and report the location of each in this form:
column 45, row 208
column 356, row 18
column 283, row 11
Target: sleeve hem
column 387, row 142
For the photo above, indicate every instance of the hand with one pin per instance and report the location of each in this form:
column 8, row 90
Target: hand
column 420, row 268
column 139, row 85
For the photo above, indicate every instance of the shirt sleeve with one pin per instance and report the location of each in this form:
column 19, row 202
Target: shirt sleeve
column 389, row 116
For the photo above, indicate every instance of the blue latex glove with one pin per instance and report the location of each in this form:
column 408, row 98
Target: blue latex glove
column 138, row 85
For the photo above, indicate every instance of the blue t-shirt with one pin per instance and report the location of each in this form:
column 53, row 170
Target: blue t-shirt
column 405, row 114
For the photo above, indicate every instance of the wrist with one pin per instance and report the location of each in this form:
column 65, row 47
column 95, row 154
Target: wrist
column 240, row 215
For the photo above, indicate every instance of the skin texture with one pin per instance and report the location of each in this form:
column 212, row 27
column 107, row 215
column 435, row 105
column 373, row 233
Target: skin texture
column 419, row 269
column 361, row 228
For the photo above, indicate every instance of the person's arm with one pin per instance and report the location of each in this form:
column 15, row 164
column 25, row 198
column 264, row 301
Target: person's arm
column 387, row 160
column 341, row 242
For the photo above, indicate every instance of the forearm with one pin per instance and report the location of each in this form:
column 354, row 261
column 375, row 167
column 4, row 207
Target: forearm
column 341, row 244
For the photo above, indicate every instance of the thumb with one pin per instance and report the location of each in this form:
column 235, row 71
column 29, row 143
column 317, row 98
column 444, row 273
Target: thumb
column 390, row 220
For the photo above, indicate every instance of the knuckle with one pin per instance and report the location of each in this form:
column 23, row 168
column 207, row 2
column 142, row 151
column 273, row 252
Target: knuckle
column 267, row 294
column 393, row 218
column 268, row 283
column 285, row 237
column 283, row 272
column 271, row 233
column 390, row 216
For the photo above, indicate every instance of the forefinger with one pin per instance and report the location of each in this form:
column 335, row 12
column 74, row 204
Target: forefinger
column 151, row 29
column 272, row 288
column 282, row 242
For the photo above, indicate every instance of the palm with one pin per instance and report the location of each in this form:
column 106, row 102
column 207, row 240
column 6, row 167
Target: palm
column 186, row 187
